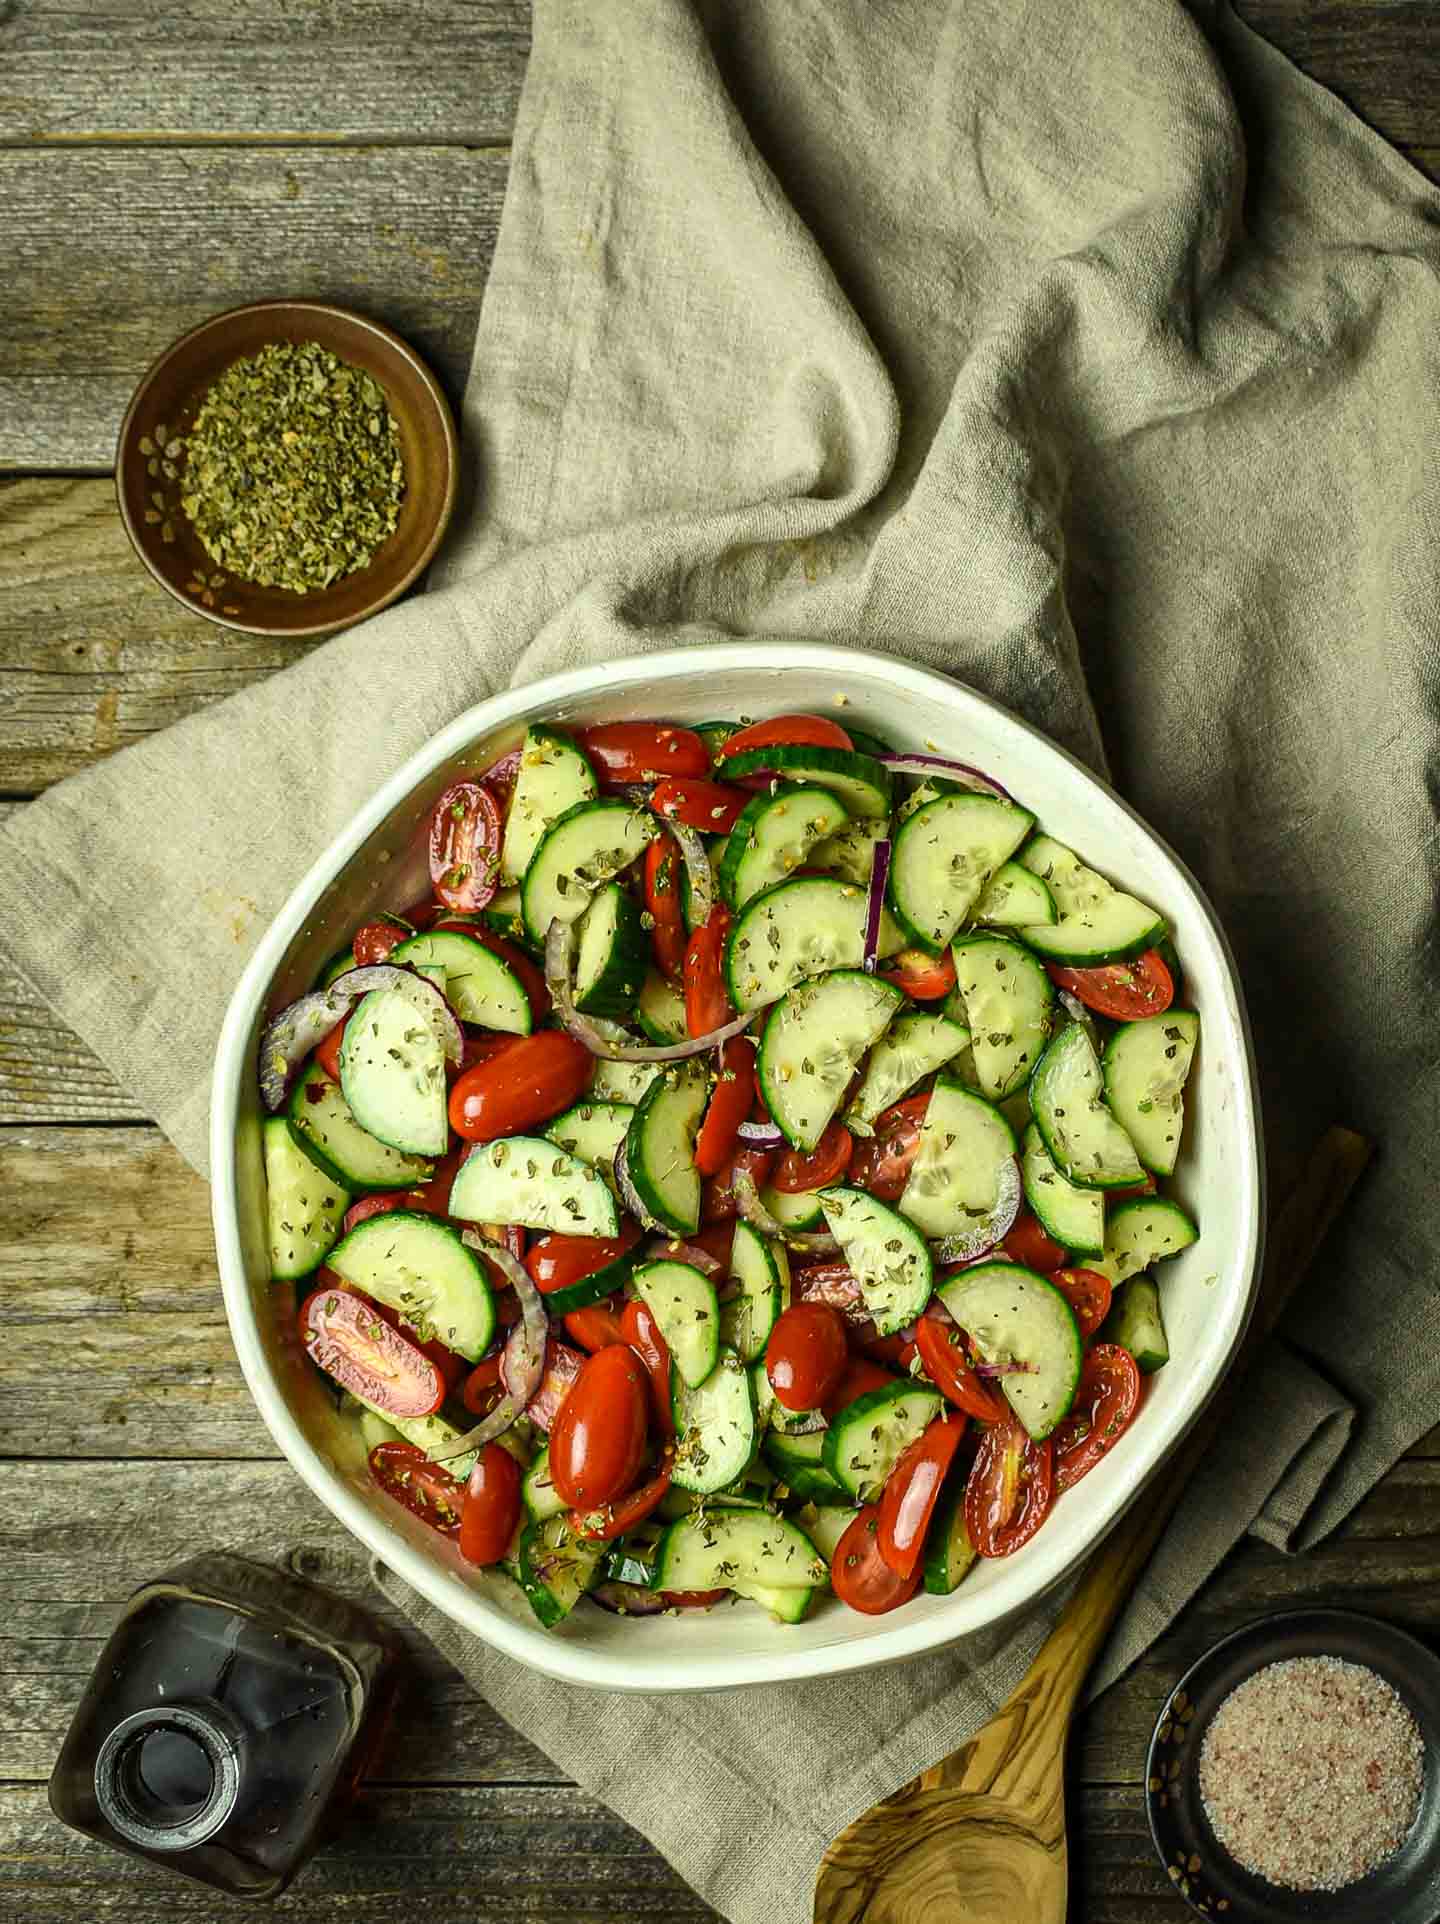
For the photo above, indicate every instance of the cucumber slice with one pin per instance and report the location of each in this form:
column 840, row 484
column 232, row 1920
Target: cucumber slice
column 344, row 1151
column 1098, row 923
column 595, row 1287
column 554, row 775
column 1141, row 1232
column 798, row 1462
column 480, row 986
column 1135, row 1323
column 612, row 956
column 501, row 914
column 733, row 1547
column 660, row 1147
column 392, row 1072
column 1074, row 1218
column 886, row 1256
column 944, row 856
column 557, row 1567
column 956, row 1177
column 1013, row 1315
column 797, row 930
column 825, row 1524
column 787, row 1605
column 585, row 848
column 633, row 1559
column 797, row 1209
column 593, row 1131
column 1009, row 1007
column 774, row 835
column 813, row 1041
column 1083, row 1139
column 772, row 1414
column 683, row 1302
column 661, row 1009
column 914, row 1046
column 866, row 1440
column 426, row 1433
column 715, row 734
column 859, row 782
column 621, row 1081
column 949, row 1553
column 714, row 1432
column 762, row 1271
column 419, row 1267
column 1146, row 1067
column 850, row 853
column 341, row 961
column 867, row 742
column 538, row 1493
column 527, row 1180
column 303, row 1207
column 1013, row 898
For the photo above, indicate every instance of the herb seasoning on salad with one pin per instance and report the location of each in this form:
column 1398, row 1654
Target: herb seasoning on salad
column 742, row 1178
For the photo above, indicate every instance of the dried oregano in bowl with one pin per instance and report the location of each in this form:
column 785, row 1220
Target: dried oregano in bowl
column 292, row 475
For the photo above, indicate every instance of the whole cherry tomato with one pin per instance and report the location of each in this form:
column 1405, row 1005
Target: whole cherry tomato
column 947, row 1363
column 729, row 1105
column 595, row 1327
column 1026, row 1243
column 374, row 941
column 827, row 1162
column 924, row 977
column 881, row 1162
column 702, row 976
column 347, row 1339
column 426, row 1489
column 912, row 1490
column 1106, row 1399
column 636, row 751
column 465, row 836
column 642, row 1333
column 860, row 1377
column 1010, row 1489
column 712, row 807
column 534, row 1079
column 614, row 1519
column 717, row 1202
column 559, row 1262
column 784, row 731
column 859, row 1574
column 662, row 899
column 806, row 1355
column 482, row 1390
column 597, row 1441
column 1127, row 991
column 492, row 1506
column 1088, row 1294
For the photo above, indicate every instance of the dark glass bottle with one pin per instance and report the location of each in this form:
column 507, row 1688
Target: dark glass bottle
column 227, row 1725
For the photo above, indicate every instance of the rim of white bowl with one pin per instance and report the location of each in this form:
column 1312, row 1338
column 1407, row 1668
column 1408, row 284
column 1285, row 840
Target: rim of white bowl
column 1047, row 1564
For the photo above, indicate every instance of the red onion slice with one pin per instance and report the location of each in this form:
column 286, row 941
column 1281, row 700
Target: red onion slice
column 524, row 1357
column 962, row 772
column 607, row 1039
column 663, row 1250
column 747, row 1201
column 971, row 1244
column 562, row 1365
column 1007, row 1369
column 875, row 906
column 697, row 868
column 1077, row 1012
column 296, row 1030
column 763, row 1135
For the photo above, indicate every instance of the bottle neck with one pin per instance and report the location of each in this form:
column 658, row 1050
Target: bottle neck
column 168, row 1777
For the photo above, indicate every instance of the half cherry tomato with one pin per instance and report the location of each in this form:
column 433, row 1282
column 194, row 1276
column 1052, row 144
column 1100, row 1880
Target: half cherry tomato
column 861, row 1376
column 534, row 1079
column 895, row 1352
column 825, row 1163
column 728, row 1106
column 784, row 731
column 1128, row 991
column 941, row 1344
column 345, row 1336
column 374, row 941
column 1010, row 1489
column 482, row 1390
column 716, row 1239
column 642, row 1333
column 597, row 1441
column 1026, row 1243
column 859, row 1574
column 881, row 1163
column 835, row 1284
column 327, row 1049
column 806, row 1355
column 1106, row 1399
column 465, row 836
column 426, row 1489
column 1088, row 1294
column 662, row 898
column 595, row 1327
column 924, row 977
column 702, row 975
column 912, row 1490
column 712, row 807
column 614, row 1519
column 717, row 1204
column 492, row 1506
column 637, row 751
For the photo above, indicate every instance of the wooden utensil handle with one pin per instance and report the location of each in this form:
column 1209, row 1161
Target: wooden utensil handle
column 1294, row 1238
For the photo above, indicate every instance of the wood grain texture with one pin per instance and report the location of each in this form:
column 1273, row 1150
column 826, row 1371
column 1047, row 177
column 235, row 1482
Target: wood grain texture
column 322, row 70
column 118, row 250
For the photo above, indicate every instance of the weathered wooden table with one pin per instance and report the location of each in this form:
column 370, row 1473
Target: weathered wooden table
column 158, row 164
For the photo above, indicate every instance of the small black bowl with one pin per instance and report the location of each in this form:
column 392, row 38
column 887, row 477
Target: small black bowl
column 1405, row 1889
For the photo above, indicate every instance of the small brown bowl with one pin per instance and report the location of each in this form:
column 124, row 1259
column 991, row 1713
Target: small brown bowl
column 169, row 397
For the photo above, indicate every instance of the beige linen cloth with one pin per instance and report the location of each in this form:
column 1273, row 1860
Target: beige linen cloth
column 1082, row 350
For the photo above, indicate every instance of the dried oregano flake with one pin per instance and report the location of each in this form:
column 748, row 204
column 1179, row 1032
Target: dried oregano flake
column 292, row 474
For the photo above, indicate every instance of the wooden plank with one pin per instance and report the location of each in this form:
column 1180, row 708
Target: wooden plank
column 46, row 1073
column 119, row 250
column 321, row 70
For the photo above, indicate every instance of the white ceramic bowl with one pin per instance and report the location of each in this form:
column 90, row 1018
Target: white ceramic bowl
column 378, row 862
